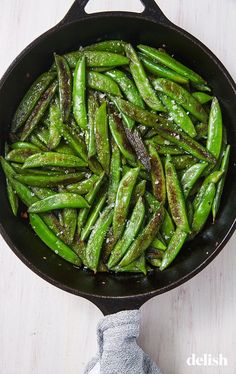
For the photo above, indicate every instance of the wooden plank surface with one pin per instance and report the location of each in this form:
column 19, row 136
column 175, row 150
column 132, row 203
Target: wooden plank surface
column 45, row 330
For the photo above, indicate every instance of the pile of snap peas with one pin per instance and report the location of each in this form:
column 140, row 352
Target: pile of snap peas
column 117, row 156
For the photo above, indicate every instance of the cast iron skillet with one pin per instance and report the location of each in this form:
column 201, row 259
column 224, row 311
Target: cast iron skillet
column 109, row 292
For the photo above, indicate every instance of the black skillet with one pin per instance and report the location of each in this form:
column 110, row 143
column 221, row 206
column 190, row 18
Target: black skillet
column 110, row 292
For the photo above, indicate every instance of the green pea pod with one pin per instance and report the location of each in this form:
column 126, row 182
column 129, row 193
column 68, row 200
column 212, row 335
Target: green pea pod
column 102, row 139
column 42, row 192
column 143, row 240
column 115, row 173
column 24, row 146
column 139, row 147
column 167, row 227
column 190, row 177
column 103, row 83
column 219, row 188
column 75, row 142
column 122, row 202
column 139, row 191
column 167, row 130
column 59, row 201
column 175, row 245
column 114, row 46
column 79, row 94
column 31, row 98
column 96, row 58
column 165, row 149
column 175, row 197
column 158, row 244
column 53, row 159
column 137, row 266
column 92, row 109
column 162, row 71
column 54, row 126
column 202, row 97
column 49, row 181
column 177, row 113
column 65, row 86
column 20, row 155
column 69, row 216
column 183, row 161
column 19, row 169
column 141, row 80
column 38, row 111
column 130, row 232
column 214, row 177
column 181, row 96
column 128, row 122
column 97, row 237
column 157, row 175
column 52, row 241
column 152, row 202
column 201, row 87
column 12, row 197
column 119, row 135
column 96, row 210
column 171, row 63
column 83, row 187
column 203, row 209
column 127, row 86
column 214, row 139
column 90, row 197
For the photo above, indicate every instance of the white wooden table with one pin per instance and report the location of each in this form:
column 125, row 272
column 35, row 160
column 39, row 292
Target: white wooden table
column 44, row 330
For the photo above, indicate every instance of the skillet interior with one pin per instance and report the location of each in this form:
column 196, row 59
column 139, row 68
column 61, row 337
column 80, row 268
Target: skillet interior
column 38, row 58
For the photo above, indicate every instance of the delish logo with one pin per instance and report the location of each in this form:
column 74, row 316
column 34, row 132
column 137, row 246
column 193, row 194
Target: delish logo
column 207, row 359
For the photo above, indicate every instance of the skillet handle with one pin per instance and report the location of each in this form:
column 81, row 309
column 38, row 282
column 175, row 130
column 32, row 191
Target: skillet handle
column 151, row 11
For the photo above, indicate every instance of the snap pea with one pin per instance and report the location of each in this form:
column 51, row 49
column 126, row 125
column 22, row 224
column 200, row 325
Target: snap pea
column 52, row 241
column 130, row 232
column 92, row 108
column 181, row 96
column 141, row 80
column 58, row 201
column 122, row 202
column 162, row 71
column 143, row 240
column 201, row 87
column 139, row 147
column 79, row 93
column 94, row 246
column 214, row 177
column 171, row 63
column 114, row 46
column 49, row 181
column 38, row 111
column 103, row 83
column 167, row 227
column 75, row 142
column 167, row 130
column 219, row 188
column 37, row 142
column 101, row 136
column 137, row 266
column 175, row 245
column 65, row 86
column 214, row 138
column 203, row 209
column 53, row 159
column 128, row 122
column 42, row 192
column 95, row 211
column 164, row 149
column 139, row 191
column 19, row 169
column 54, row 126
column 84, row 186
column 21, row 155
column 96, row 58
column 190, row 176
column 202, row 97
column 175, row 197
column 158, row 244
column 178, row 115
column 157, row 175
column 42, row 134
column 30, row 99
column 183, row 161
column 24, row 146
column 119, row 136
column 115, row 173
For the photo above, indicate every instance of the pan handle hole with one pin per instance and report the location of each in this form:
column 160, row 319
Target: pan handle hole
column 93, row 6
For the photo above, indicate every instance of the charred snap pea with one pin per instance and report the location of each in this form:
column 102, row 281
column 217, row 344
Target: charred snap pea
column 176, row 197
column 97, row 237
column 79, row 91
column 214, row 177
column 93, row 217
column 175, row 245
column 38, row 111
column 101, row 136
column 171, row 63
column 54, row 126
column 53, row 159
column 114, row 46
column 138, row 192
column 183, row 161
column 21, row 155
column 131, row 230
column 181, row 96
column 158, row 177
column 49, row 181
column 84, row 186
column 31, row 99
column 190, row 177
column 96, row 58
column 115, row 173
column 103, row 83
column 141, row 80
column 139, row 147
column 123, row 197
column 59, row 201
column 214, row 138
column 92, row 109
column 65, row 86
